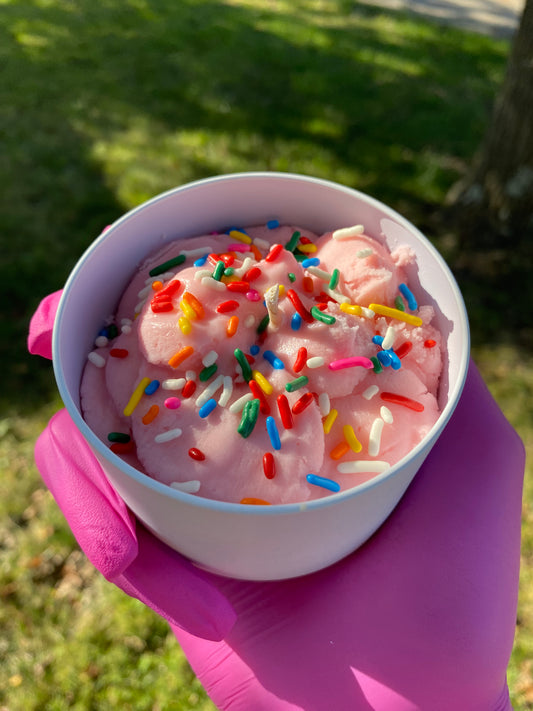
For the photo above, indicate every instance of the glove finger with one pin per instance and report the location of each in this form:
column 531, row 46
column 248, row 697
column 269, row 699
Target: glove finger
column 41, row 326
column 97, row 516
column 184, row 595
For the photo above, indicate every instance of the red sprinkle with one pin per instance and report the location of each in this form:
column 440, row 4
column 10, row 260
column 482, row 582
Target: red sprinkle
column 404, row 349
column 227, row 306
column 169, row 289
column 301, row 359
column 300, row 405
column 308, row 285
column 160, row 306
column 249, row 358
column 122, row 447
column 300, row 308
column 323, row 298
column 430, row 343
column 402, row 400
column 264, row 407
column 196, row 454
column 238, row 286
column 252, row 273
column 227, row 258
column 269, row 465
column 284, row 411
column 188, row 388
column 274, row 253
column 305, row 240
column 119, row 353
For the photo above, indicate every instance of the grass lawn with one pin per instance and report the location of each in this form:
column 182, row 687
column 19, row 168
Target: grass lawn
column 103, row 105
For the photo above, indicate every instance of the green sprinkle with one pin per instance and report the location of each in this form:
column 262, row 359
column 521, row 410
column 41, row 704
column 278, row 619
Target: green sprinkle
column 161, row 268
column 292, row 277
column 263, row 324
column 219, row 270
column 377, row 365
column 229, row 271
column 319, row 315
column 398, row 302
column 334, row 279
column 245, row 366
column 297, row 383
column 112, row 331
column 291, row 244
column 207, row 372
column 249, row 417
column 118, row 437
column 299, row 256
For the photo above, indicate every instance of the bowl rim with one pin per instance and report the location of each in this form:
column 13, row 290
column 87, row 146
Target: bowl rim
column 251, row 509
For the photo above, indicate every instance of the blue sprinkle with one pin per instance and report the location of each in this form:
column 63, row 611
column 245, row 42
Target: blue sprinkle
column 323, row 482
column 310, row 262
column 254, row 350
column 273, row 433
column 409, row 297
column 274, row 361
column 201, row 261
column 378, row 340
column 396, row 363
column 207, row 408
column 103, row 332
column 296, row 322
column 151, row 387
column 272, row 224
column 384, row 358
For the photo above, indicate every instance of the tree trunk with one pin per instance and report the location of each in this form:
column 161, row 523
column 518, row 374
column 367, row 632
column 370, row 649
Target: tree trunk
column 493, row 207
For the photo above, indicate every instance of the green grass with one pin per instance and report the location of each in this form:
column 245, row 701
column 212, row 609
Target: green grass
column 104, row 104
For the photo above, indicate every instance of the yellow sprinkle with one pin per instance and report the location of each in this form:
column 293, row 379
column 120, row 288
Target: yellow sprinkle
column 307, row 248
column 330, row 419
column 339, row 450
column 281, row 291
column 188, row 310
column 396, row 314
column 263, row 383
column 136, row 396
column 352, row 441
column 185, row 325
column 178, row 358
column 351, row 309
column 240, row 236
column 194, row 304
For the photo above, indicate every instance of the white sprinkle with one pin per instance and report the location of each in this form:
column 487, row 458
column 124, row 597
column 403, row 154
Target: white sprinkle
column 190, row 375
column 188, row 487
column 167, row 436
column 386, row 415
column 209, row 391
column 101, row 341
column 197, row 252
column 374, row 438
column 237, row 406
column 315, row 362
column 139, row 306
column 143, row 293
column 201, row 273
column 359, row 466
column 249, row 321
column 320, row 273
column 213, row 283
column 96, row 359
column 125, row 329
column 388, row 340
column 348, row 232
column 126, row 321
column 367, row 313
column 339, row 298
column 370, row 392
column 271, row 301
column 364, row 253
column 210, row 358
column 324, row 404
column 173, row 384
column 226, row 391
column 247, row 264
column 261, row 243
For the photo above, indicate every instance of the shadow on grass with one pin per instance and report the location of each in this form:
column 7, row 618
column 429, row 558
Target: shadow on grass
column 384, row 103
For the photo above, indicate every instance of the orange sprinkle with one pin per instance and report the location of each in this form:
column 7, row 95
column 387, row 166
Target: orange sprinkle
column 233, row 325
column 157, row 285
column 178, row 358
column 150, row 416
column 194, row 304
column 339, row 450
column 257, row 254
column 430, row 343
column 307, row 284
column 254, row 502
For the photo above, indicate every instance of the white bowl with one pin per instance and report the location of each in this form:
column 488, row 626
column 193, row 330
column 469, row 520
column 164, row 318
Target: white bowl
column 242, row 541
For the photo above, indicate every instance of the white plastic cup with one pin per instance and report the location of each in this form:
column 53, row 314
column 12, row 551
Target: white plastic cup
column 242, row 541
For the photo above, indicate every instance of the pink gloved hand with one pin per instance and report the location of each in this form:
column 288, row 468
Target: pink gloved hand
column 421, row 617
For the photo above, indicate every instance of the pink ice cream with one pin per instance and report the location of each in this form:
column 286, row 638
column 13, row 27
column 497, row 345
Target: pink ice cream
column 247, row 371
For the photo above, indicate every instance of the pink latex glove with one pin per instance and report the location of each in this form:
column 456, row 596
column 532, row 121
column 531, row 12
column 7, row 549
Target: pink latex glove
column 421, row 617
